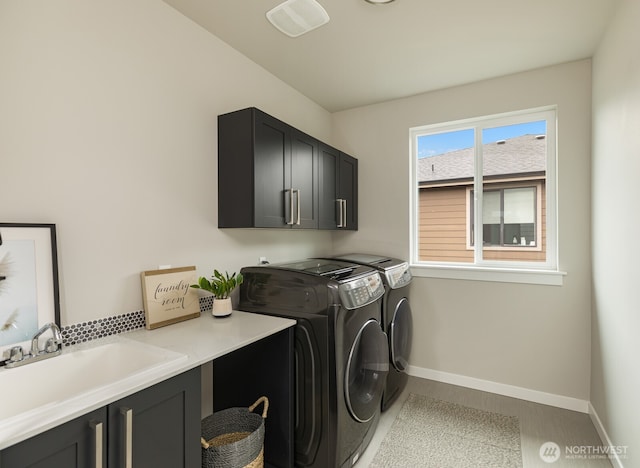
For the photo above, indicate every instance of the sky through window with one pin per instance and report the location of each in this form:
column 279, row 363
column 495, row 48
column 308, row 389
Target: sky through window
column 445, row 142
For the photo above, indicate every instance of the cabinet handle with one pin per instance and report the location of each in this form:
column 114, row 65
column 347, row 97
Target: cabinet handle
column 344, row 214
column 341, row 209
column 127, row 415
column 97, row 433
column 290, row 192
column 297, row 192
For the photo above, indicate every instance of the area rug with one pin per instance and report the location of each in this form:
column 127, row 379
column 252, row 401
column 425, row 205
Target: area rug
column 431, row 433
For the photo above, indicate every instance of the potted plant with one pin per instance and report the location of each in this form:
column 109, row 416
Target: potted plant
column 221, row 286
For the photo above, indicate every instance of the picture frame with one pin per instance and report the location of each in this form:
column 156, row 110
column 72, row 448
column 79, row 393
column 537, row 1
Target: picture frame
column 168, row 297
column 29, row 289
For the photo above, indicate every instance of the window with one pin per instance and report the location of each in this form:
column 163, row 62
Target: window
column 511, row 217
column 498, row 169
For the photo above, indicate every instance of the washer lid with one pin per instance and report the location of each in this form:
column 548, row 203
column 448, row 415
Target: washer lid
column 363, row 258
column 329, row 269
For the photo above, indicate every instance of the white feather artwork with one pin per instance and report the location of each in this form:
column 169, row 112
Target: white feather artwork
column 5, row 263
column 10, row 322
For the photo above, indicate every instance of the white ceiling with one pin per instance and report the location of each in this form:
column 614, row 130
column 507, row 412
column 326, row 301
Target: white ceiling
column 373, row 53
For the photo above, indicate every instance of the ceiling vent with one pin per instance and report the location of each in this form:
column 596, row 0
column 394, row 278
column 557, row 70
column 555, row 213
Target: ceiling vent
column 296, row 17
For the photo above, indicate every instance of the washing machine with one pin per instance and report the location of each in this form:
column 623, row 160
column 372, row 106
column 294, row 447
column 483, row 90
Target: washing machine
column 340, row 350
column 397, row 322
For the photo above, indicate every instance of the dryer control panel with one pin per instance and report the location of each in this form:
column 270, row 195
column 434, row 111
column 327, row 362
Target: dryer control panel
column 361, row 291
column 398, row 276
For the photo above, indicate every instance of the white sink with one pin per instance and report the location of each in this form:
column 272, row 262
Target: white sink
column 109, row 366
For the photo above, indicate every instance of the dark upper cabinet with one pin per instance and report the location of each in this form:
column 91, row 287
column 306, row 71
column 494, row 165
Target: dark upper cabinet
column 267, row 173
column 271, row 175
column 338, row 189
column 348, row 191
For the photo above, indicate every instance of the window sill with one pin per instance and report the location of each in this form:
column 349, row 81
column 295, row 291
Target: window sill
column 501, row 275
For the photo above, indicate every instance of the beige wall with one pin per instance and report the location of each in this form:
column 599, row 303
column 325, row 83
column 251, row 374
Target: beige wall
column 108, row 129
column 615, row 381
column 531, row 336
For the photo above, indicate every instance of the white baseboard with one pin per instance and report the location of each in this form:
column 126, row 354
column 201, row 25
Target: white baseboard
column 604, row 437
column 522, row 393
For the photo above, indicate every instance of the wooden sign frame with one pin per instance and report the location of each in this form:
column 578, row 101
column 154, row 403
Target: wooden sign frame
column 168, row 297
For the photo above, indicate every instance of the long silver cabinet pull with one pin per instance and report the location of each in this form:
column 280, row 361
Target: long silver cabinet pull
column 297, row 192
column 97, row 433
column 127, row 414
column 339, row 215
column 344, row 213
column 290, row 192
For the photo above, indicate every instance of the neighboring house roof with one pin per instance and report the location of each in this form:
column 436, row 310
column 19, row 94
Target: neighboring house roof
column 520, row 155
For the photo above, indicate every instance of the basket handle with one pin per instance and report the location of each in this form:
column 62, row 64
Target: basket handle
column 262, row 399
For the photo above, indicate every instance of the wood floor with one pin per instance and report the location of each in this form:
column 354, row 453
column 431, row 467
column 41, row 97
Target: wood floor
column 538, row 424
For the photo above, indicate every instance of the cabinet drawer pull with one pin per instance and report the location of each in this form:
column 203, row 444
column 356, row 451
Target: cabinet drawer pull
column 127, row 416
column 97, row 433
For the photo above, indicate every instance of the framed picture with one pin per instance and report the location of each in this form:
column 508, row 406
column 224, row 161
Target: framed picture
column 168, row 297
column 29, row 292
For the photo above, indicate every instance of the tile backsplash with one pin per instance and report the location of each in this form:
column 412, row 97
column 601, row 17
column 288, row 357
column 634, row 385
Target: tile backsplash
column 94, row 329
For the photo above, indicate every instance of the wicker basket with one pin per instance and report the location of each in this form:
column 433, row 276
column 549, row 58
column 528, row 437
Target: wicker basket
column 234, row 438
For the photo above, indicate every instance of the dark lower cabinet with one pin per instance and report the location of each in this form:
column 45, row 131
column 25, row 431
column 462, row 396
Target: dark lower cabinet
column 157, row 427
column 80, row 443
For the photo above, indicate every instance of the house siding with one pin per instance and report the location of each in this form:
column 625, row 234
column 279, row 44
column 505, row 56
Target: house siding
column 443, row 228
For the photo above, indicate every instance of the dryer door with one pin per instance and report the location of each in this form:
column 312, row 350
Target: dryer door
column 366, row 372
column 400, row 335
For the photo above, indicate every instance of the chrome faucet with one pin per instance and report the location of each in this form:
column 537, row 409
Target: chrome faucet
column 52, row 347
column 52, row 344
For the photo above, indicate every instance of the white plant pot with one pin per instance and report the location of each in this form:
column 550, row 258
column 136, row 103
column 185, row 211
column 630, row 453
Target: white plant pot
column 221, row 307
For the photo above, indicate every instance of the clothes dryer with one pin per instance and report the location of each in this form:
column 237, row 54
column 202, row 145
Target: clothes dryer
column 341, row 361
column 397, row 321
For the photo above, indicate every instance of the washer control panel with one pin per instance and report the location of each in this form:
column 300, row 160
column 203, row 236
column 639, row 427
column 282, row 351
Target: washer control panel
column 398, row 276
column 361, row 291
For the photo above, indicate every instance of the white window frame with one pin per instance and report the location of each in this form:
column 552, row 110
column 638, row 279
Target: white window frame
column 546, row 272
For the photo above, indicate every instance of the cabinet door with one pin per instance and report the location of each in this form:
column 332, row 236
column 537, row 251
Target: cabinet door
column 304, row 176
column 338, row 189
column 269, row 175
column 348, row 189
column 80, row 443
column 328, row 163
column 158, row 427
column 272, row 172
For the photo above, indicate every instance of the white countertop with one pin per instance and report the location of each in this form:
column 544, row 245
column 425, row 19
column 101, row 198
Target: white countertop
column 185, row 344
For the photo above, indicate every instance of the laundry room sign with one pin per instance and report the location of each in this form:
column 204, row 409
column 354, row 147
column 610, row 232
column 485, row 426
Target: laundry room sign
column 167, row 296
